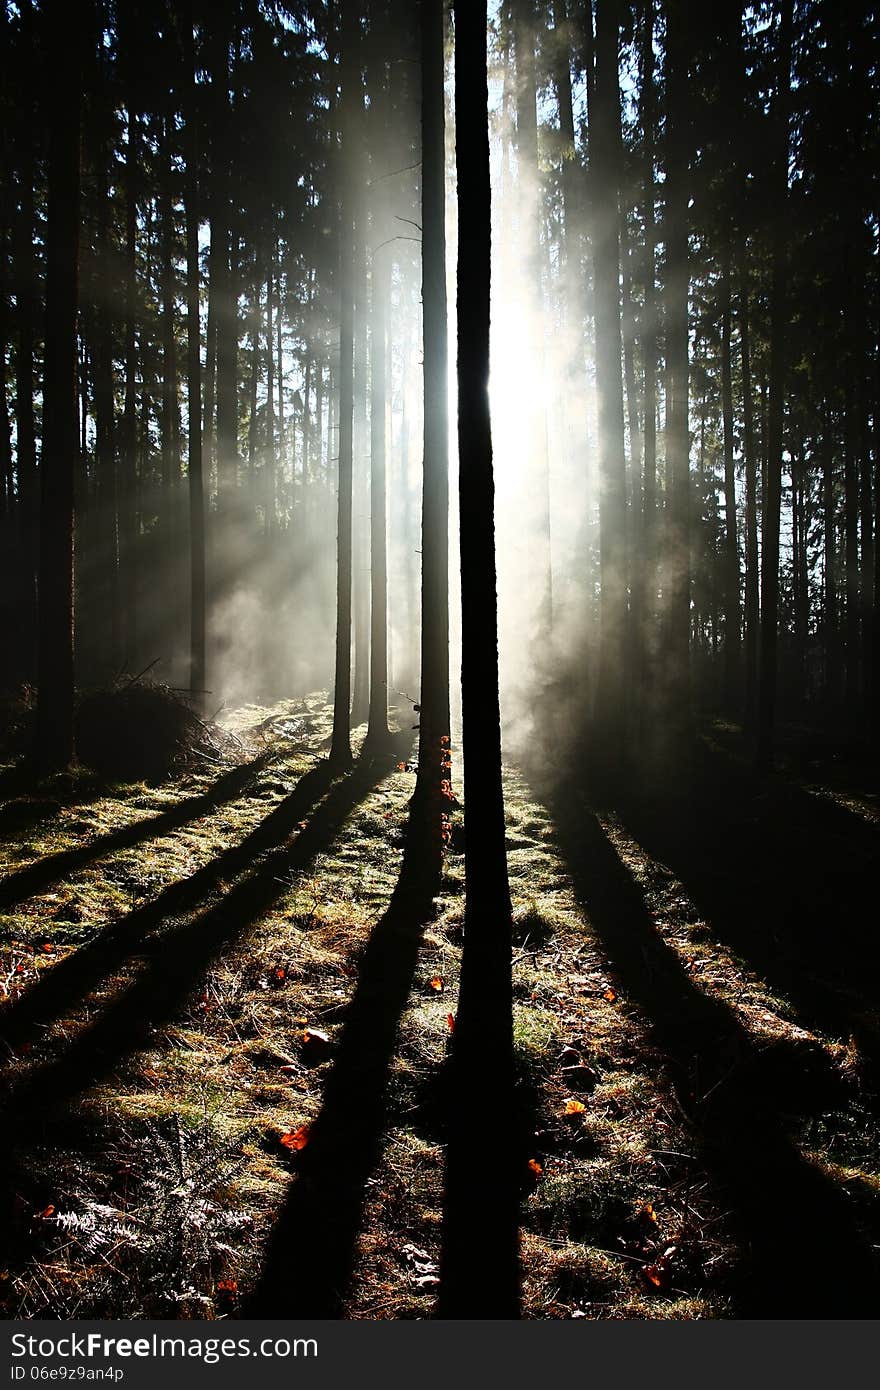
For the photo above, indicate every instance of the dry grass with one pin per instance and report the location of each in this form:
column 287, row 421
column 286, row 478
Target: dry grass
column 151, row 1190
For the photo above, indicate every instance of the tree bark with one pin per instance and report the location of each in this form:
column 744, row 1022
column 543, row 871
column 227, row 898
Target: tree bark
column 340, row 749
column 67, row 21
column 767, row 674
column 434, row 730
column 606, row 155
column 195, row 476
column 482, row 1162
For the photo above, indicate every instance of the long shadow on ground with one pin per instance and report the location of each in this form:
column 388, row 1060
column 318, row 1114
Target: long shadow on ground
column 63, row 984
column 35, row 1102
column 24, row 883
column 309, row 1258
column 802, row 1253
column 485, row 1155
column 27, row 800
column 178, row 957
column 785, row 877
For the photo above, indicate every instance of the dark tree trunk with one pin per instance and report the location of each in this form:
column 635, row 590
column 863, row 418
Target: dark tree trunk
column 25, row 275
column 434, row 730
column 270, row 456
column 677, row 538
column 53, row 748
column 532, row 346
column 829, row 588
column 606, row 155
column 170, row 459
column 340, row 750
column 127, row 480
column 730, row 585
column 767, row 674
column 195, row 478
column 751, row 608
column 222, row 258
column 377, row 729
column 645, row 566
column 482, row 1164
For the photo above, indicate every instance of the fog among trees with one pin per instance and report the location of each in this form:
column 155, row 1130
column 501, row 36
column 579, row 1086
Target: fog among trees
column 439, row 467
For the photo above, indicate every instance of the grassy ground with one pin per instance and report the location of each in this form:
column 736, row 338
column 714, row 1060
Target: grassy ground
column 207, row 1015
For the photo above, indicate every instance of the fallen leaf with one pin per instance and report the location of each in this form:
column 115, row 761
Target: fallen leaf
column 450, row 1021
column 296, row 1139
column 574, row 1107
column 227, row 1286
column 437, row 984
column 535, row 1167
column 659, row 1274
column 610, row 996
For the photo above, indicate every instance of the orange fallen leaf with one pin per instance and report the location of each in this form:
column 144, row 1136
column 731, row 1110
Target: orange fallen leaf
column 535, row 1167
column 296, row 1139
column 610, row 996
column 574, row 1107
column 648, row 1210
column 401, row 767
column 450, row 1020
column 227, row 1286
column 437, row 984
column 47, row 1211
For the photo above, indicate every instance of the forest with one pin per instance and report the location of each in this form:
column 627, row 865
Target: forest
column 439, row 743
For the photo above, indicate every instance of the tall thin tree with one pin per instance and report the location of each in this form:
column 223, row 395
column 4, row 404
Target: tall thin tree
column 67, row 21
column 481, row 1166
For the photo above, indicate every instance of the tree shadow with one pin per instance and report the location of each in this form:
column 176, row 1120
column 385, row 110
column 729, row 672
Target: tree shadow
column 26, row 882
column 309, row 1258
column 176, row 958
column 783, row 876
column 70, row 979
column 802, row 1252
column 28, row 799
column 486, row 1152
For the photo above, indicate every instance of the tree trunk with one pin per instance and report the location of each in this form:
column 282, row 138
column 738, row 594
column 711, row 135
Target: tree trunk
column 751, row 610
column 195, row 478
column 532, row 345
column 606, row 154
column 377, row 729
column 646, row 559
column 340, row 750
column 677, row 538
column 730, row 585
column 434, row 730
column 482, row 1163
column 767, row 674
column 53, row 747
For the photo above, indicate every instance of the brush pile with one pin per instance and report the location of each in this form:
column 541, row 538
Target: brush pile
column 143, row 731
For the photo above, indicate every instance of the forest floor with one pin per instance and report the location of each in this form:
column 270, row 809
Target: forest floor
column 187, row 987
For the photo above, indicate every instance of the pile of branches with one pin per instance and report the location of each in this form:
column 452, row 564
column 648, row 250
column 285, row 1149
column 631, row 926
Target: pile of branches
column 144, row 731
